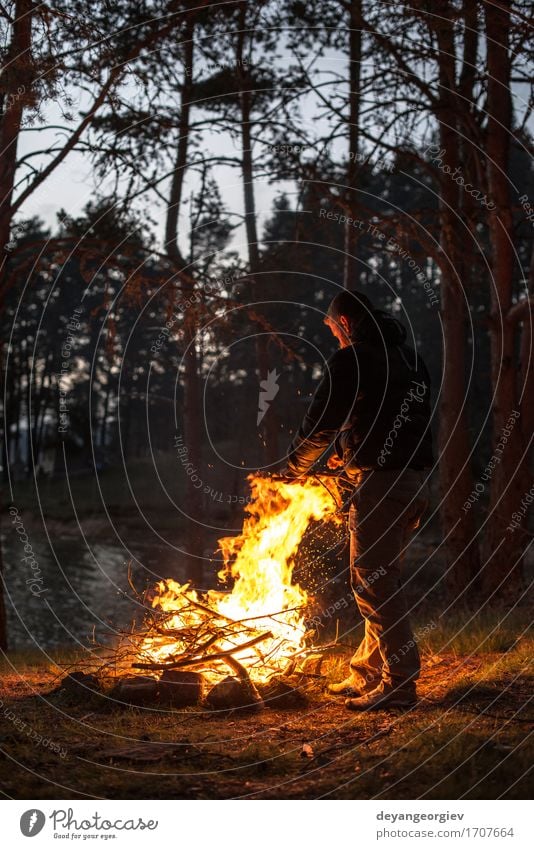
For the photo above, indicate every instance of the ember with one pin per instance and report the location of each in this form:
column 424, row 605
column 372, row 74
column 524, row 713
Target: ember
column 258, row 628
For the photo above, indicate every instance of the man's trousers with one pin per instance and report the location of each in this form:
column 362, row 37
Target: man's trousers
column 387, row 506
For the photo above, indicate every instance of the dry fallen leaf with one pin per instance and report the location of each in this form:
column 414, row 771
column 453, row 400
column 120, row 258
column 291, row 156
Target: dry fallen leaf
column 143, row 752
column 307, row 751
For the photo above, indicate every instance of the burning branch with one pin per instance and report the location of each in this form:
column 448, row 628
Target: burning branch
column 206, row 659
column 256, row 629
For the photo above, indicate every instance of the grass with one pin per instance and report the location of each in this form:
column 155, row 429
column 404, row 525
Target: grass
column 469, row 737
column 467, row 632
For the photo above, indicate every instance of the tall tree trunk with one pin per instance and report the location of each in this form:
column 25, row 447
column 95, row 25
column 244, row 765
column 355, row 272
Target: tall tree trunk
column 350, row 261
column 456, row 480
column 269, row 424
column 18, row 71
column 3, row 612
column 502, row 571
column 40, row 399
column 526, row 361
column 194, row 543
column 126, row 413
column 105, row 414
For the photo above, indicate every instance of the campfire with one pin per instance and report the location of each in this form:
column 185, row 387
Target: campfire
column 260, row 623
column 253, row 626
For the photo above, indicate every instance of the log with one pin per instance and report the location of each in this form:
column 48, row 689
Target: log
column 280, row 695
column 79, row 683
column 139, row 690
column 233, row 694
column 80, row 688
column 180, row 689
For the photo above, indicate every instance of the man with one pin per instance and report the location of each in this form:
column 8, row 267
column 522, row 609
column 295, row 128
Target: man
column 373, row 407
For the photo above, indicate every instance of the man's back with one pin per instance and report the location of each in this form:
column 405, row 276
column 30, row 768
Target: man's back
column 373, row 403
column 388, row 424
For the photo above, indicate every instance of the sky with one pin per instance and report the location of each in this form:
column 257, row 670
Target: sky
column 73, row 183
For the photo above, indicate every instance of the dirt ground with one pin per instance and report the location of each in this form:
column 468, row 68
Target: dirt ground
column 469, row 737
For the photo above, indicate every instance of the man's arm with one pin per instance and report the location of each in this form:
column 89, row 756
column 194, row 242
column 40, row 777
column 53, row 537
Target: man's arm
column 330, row 406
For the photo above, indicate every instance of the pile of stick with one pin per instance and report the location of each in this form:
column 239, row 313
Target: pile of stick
column 209, row 643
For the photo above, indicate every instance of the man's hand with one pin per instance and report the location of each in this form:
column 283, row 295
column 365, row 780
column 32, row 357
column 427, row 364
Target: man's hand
column 334, row 462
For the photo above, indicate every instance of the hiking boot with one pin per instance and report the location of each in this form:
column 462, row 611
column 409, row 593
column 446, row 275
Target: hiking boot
column 350, row 687
column 383, row 699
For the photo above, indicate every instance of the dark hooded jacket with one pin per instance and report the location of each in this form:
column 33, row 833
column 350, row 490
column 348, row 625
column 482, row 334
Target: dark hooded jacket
column 372, row 405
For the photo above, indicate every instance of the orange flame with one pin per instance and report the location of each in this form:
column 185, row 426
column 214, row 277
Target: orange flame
column 260, row 561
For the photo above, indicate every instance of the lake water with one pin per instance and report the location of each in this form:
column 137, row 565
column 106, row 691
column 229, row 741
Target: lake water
column 81, row 586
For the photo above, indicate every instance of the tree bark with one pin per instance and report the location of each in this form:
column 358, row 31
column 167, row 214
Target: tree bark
column 526, row 361
column 105, row 411
column 456, row 480
column 502, row 570
column 269, row 424
column 3, row 613
column 18, row 70
column 192, row 417
column 350, row 261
